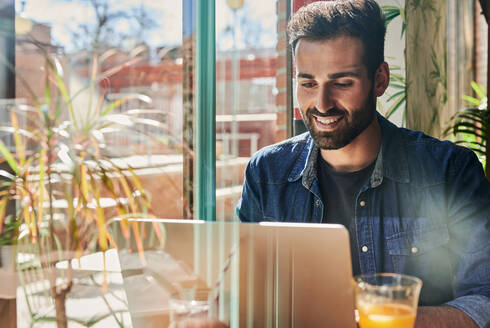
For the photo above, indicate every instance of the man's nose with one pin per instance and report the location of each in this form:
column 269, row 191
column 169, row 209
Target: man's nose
column 324, row 99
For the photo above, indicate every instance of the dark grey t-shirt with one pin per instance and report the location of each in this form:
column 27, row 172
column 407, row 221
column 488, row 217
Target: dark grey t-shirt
column 339, row 191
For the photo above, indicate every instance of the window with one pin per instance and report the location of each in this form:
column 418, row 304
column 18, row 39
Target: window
column 138, row 48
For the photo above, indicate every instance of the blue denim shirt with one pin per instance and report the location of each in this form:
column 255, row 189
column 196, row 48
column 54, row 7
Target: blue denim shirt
column 425, row 211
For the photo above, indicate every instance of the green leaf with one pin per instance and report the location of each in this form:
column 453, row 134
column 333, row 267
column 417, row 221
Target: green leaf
column 398, row 94
column 479, row 89
column 397, row 86
column 3, row 207
column 47, row 91
column 9, row 158
column 19, row 145
column 65, row 94
column 390, row 13
column 466, row 132
column 472, row 100
column 57, row 106
column 113, row 105
column 397, row 77
column 469, row 126
column 395, row 107
column 477, row 116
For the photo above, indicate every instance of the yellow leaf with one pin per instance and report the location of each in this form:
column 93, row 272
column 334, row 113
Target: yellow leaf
column 101, row 223
column 3, row 207
column 33, row 227
column 25, row 211
column 19, row 147
column 84, row 183
column 139, row 187
column 127, row 191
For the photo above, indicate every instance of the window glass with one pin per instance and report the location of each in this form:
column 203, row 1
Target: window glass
column 139, row 44
column 134, row 48
column 246, row 66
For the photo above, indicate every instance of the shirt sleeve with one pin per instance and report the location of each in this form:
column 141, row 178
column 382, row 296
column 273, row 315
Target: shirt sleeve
column 248, row 208
column 477, row 307
column 469, row 226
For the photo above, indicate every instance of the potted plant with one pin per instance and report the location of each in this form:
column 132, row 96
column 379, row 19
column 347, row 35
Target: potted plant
column 60, row 155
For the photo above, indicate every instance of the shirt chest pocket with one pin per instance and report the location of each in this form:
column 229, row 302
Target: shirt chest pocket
column 423, row 253
column 417, row 241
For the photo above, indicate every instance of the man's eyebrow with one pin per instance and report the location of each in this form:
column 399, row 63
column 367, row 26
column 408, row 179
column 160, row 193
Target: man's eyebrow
column 332, row 76
column 305, row 76
column 344, row 74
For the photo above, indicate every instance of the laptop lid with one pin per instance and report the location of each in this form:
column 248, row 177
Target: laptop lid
column 246, row 275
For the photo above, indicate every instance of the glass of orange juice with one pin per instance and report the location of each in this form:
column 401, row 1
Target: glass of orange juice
column 387, row 300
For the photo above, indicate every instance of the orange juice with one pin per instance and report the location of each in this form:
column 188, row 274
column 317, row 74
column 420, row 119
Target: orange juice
column 386, row 316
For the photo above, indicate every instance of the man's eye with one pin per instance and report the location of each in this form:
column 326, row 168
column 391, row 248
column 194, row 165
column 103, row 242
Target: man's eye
column 307, row 84
column 343, row 85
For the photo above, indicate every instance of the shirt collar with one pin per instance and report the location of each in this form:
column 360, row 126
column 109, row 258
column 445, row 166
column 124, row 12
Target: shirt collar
column 391, row 161
column 305, row 163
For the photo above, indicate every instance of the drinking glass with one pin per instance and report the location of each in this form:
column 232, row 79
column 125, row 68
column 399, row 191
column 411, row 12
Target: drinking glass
column 189, row 303
column 387, row 300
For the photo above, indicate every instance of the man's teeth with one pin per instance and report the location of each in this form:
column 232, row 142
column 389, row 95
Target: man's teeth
column 325, row 120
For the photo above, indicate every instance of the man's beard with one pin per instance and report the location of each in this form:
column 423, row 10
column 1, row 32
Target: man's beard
column 352, row 124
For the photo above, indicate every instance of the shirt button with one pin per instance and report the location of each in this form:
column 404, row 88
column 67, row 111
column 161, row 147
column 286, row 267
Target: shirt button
column 415, row 250
column 364, row 249
column 362, row 203
column 317, row 202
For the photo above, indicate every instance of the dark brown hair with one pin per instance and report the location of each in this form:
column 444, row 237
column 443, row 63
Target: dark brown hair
column 324, row 20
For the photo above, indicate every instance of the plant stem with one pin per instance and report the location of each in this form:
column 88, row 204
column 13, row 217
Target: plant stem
column 50, row 195
column 60, row 304
column 58, row 294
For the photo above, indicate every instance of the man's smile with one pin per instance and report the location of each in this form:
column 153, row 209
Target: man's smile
column 327, row 123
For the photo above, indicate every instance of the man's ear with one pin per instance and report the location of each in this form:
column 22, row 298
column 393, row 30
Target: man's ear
column 381, row 79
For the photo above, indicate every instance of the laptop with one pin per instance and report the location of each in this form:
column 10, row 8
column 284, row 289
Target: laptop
column 244, row 275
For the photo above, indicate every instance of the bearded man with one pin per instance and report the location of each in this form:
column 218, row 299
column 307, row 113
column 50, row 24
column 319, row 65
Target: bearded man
column 412, row 204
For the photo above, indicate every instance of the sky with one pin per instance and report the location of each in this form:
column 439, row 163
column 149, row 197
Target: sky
column 64, row 16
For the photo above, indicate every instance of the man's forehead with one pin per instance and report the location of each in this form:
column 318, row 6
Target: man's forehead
column 338, row 57
column 353, row 71
column 338, row 42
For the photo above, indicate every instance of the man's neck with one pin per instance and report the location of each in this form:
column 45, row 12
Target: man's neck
column 358, row 154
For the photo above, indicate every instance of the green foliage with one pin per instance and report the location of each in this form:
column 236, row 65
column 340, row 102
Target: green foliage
column 397, row 80
column 391, row 12
column 399, row 98
column 10, row 231
column 470, row 125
